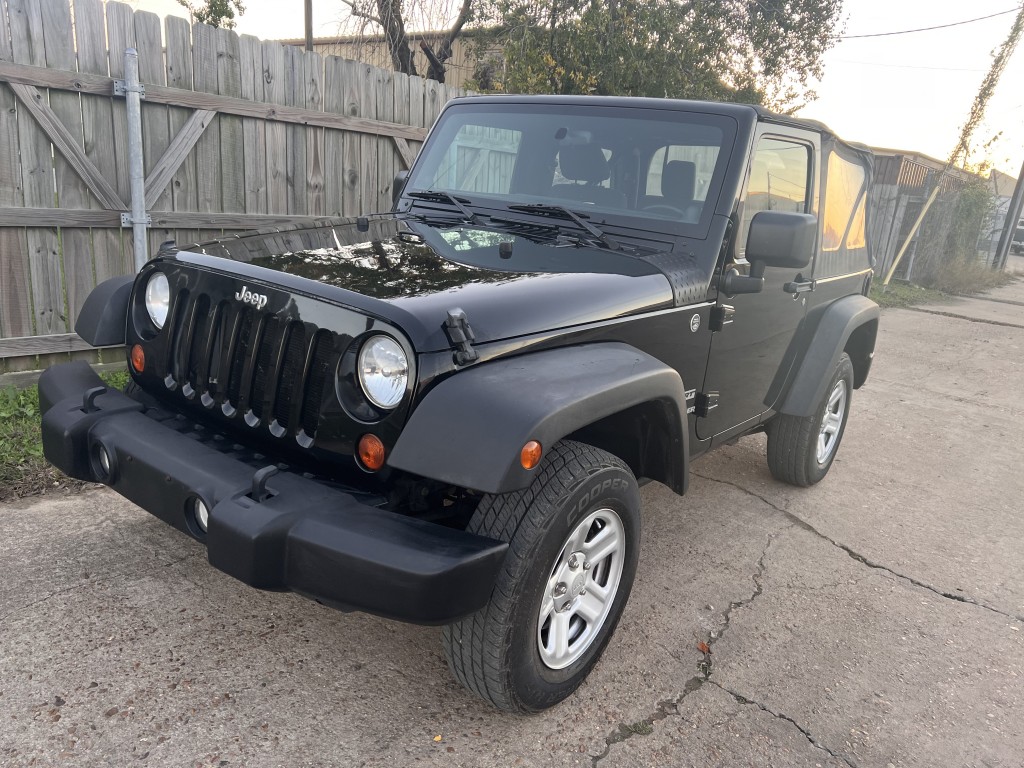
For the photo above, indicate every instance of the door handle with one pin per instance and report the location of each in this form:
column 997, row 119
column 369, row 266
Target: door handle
column 798, row 286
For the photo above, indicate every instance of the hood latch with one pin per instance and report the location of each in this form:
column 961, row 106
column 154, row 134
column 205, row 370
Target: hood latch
column 461, row 336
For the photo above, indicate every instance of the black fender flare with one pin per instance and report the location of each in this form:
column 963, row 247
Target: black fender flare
column 103, row 321
column 831, row 334
column 470, row 428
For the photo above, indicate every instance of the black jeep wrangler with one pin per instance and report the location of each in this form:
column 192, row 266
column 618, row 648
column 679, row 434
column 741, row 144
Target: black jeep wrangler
column 443, row 414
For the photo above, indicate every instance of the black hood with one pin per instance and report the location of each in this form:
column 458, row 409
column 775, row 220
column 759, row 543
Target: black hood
column 412, row 273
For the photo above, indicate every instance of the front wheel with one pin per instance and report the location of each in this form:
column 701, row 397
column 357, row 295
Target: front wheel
column 574, row 538
column 801, row 450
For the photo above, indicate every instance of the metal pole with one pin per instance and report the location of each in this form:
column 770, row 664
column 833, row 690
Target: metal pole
column 1010, row 222
column 309, row 25
column 136, row 172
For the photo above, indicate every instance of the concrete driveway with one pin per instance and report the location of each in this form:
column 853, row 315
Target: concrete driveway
column 873, row 620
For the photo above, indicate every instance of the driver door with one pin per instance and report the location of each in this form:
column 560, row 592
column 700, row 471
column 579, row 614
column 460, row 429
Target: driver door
column 750, row 356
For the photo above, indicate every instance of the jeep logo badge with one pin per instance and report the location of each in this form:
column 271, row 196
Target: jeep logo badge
column 258, row 300
column 694, row 323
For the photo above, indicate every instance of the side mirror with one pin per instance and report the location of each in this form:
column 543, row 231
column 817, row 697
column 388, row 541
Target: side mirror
column 778, row 239
column 398, row 187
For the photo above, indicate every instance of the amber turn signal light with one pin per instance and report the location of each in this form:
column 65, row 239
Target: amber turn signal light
column 371, row 452
column 138, row 358
column 529, row 457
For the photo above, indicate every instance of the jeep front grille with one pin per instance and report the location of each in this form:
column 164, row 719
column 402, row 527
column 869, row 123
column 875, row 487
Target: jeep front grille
column 250, row 365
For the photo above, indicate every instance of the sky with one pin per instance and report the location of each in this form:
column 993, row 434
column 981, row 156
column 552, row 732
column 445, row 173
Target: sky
column 909, row 92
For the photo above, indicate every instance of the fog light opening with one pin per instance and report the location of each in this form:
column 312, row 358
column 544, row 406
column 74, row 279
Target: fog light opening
column 201, row 513
column 103, row 464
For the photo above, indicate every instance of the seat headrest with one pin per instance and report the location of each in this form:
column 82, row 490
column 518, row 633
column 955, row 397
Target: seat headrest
column 583, row 162
column 679, row 181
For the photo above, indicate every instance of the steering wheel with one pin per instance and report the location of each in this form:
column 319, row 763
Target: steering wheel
column 663, row 208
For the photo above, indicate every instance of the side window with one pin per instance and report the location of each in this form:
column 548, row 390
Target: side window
column 479, row 159
column 779, row 181
column 844, row 205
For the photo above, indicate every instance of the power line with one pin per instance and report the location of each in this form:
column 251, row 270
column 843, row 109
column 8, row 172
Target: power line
column 928, row 29
column 906, row 66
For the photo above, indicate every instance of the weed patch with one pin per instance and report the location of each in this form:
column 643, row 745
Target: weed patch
column 23, row 470
column 900, row 294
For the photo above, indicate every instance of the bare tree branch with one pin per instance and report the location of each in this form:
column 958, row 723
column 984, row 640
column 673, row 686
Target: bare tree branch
column 359, row 13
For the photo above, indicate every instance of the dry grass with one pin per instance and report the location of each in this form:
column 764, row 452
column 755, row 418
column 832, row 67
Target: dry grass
column 963, row 277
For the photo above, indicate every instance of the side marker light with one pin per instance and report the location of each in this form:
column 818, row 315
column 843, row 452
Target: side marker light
column 371, row 452
column 529, row 457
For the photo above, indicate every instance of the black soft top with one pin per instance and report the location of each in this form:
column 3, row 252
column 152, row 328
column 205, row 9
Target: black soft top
column 742, row 112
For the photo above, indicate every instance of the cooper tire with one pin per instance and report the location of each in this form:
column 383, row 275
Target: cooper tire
column 796, row 452
column 501, row 652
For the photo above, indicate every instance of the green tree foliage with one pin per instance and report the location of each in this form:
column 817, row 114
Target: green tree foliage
column 765, row 51
column 216, row 13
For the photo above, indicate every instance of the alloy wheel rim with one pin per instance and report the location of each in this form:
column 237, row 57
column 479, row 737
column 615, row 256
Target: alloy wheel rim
column 581, row 588
column 831, row 422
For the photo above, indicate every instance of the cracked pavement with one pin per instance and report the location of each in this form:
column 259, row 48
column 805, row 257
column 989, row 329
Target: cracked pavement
column 873, row 620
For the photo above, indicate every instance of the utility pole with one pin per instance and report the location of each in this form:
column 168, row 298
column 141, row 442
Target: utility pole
column 309, row 24
column 1010, row 222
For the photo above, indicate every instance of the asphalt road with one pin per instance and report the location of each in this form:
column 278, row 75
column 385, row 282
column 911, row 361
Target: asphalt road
column 873, row 620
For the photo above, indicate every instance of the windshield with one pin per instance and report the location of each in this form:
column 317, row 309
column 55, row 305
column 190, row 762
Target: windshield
column 627, row 166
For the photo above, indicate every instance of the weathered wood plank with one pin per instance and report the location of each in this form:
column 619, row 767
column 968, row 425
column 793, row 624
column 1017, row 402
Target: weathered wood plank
column 314, row 79
column 384, row 94
column 367, row 144
column 208, row 160
column 72, row 190
column 65, row 143
column 170, row 162
column 433, row 100
column 352, row 171
column 156, row 135
column 15, row 291
column 47, row 282
column 277, row 142
column 184, row 188
column 217, row 222
column 232, row 158
column 72, row 81
column 14, row 218
column 254, row 132
column 400, row 98
column 42, row 345
column 295, row 95
column 97, row 119
column 58, row 217
column 120, row 37
column 405, row 152
column 334, row 141
column 416, row 117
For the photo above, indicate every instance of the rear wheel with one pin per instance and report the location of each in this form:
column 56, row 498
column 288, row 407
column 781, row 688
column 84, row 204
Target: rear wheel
column 574, row 539
column 801, row 450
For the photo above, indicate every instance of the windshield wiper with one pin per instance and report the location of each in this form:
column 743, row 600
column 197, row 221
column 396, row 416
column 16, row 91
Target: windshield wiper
column 439, row 196
column 586, row 226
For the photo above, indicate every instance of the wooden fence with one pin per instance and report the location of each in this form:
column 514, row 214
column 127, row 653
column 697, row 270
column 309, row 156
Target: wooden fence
column 238, row 133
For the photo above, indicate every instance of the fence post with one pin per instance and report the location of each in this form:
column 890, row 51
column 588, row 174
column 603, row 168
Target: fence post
column 133, row 92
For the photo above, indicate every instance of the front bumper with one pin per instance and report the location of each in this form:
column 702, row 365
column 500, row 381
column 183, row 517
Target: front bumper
column 303, row 537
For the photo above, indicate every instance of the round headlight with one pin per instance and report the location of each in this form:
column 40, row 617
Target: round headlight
column 158, row 298
column 383, row 371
